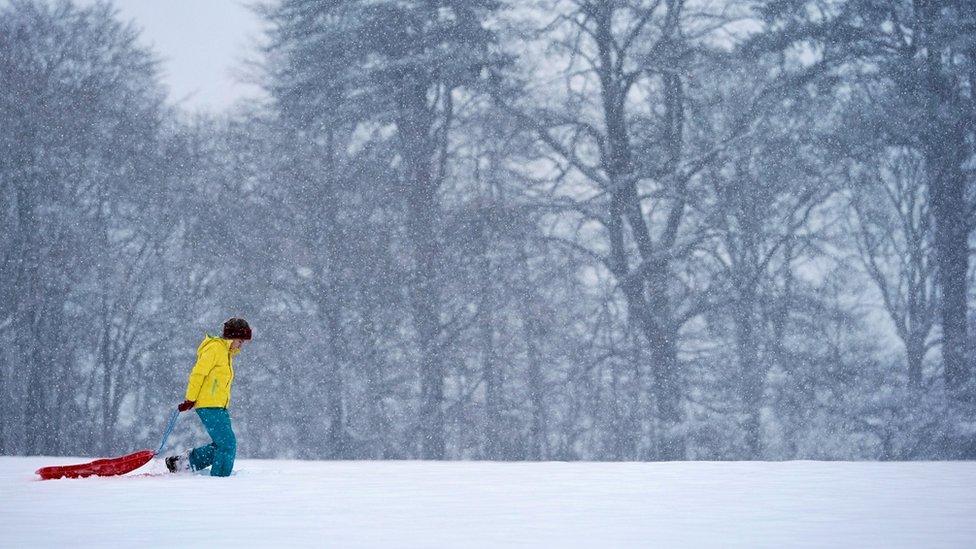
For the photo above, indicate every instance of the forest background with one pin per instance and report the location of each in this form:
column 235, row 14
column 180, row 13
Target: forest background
column 477, row 229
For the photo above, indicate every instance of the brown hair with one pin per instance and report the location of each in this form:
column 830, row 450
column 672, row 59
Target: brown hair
column 236, row 328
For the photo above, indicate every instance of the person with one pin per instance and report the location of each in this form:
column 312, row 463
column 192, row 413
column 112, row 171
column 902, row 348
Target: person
column 208, row 391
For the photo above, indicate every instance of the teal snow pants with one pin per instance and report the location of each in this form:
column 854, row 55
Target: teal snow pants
column 218, row 455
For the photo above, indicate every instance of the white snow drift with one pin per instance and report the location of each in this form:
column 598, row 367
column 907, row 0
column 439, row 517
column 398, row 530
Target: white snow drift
column 470, row 504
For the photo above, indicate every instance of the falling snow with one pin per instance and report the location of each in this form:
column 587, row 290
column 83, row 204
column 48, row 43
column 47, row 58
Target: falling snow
column 484, row 230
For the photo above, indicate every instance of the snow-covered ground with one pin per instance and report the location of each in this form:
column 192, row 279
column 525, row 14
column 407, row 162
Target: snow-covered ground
column 472, row 504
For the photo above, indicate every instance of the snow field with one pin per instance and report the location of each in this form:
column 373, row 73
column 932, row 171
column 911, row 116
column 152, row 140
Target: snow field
column 479, row 504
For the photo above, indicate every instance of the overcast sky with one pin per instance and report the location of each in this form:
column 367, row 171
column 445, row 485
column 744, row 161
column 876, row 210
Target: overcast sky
column 203, row 45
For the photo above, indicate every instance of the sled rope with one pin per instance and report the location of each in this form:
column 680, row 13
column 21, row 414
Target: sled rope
column 169, row 429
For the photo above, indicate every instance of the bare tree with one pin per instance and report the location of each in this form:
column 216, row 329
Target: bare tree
column 912, row 63
column 79, row 100
column 894, row 238
column 623, row 147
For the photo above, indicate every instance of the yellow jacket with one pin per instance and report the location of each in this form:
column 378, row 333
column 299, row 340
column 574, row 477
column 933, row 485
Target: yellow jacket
column 213, row 374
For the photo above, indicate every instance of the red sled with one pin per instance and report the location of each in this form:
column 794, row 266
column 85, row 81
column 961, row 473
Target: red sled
column 111, row 466
column 99, row 468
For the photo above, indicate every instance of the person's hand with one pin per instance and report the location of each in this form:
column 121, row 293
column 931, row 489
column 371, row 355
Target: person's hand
column 186, row 405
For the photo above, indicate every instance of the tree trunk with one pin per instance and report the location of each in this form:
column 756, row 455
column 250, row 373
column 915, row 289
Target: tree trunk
column 107, row 428
column 945, row 150
column 28, row 309
column 426, row 307
column 653, row 313
column 490, row 372
column 538, row 430
column 333, row 371
column 667, row 382
column 378, row 426
column 947, row 189
column 106, row 363
column 750, row 374
column 915, row 357
column 414, row 127
column 624, row 430
column 331, row 301
column 4, row 412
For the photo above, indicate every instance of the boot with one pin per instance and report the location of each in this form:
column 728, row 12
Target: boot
column 178, row 463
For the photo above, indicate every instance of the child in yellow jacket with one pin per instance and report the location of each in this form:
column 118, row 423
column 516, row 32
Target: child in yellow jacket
column 208, row 390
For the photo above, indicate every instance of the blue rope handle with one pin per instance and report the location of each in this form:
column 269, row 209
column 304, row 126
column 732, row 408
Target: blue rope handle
column 169, row 429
